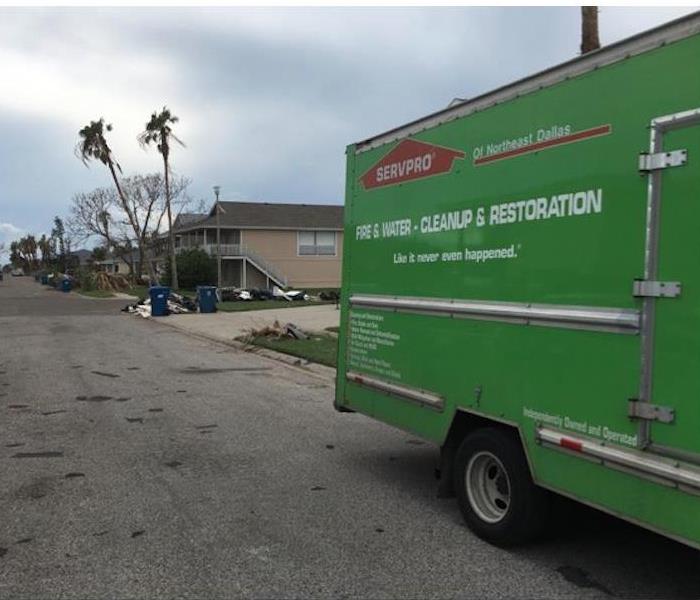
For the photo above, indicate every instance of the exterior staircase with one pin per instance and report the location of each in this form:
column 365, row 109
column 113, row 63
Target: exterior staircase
column 242, row 251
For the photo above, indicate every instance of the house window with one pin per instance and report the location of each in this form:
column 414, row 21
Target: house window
column 316, row 243
column 116, row 268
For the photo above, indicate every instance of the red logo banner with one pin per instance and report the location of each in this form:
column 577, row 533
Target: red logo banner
column 410, row 160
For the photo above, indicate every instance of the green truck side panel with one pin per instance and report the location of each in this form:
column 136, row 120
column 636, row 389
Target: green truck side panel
column 585, row 377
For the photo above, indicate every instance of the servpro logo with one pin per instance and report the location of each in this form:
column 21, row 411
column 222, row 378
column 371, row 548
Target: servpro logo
column 410, row 160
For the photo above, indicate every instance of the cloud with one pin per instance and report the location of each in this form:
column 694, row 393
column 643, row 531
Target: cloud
column 268, row 97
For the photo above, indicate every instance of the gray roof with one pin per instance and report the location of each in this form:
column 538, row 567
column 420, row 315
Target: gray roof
column 267, row 215
column 185, row 219
column 134, row 256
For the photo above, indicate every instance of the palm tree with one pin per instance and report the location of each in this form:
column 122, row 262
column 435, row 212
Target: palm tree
column 159, row 131
column 93, row 146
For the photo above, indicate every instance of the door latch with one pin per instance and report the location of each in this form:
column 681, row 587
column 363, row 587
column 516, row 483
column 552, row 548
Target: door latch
column 643, row 288
column 662, row 160
column 650, row 412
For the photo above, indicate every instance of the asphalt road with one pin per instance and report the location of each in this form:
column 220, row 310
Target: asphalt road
column 137, row 462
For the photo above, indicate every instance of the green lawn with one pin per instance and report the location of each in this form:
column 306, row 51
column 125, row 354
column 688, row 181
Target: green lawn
column 138, row 290
column 263, row 305
column 320, row 348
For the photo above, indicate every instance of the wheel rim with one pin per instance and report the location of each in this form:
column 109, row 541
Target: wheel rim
column 488, row 487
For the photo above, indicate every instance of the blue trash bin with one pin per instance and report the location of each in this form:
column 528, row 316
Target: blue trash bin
column 65, row 285
column 206, row 294
column 159, row 300
column 44, row 280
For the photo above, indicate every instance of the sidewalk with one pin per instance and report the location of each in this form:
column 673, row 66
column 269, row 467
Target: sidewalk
column 225, row 327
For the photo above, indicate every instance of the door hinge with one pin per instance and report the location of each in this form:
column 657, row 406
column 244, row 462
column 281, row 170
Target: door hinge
column 662, row 160
column 650, row 412
column 643, row 288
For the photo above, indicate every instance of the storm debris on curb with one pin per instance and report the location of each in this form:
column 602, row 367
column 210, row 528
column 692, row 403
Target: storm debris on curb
column 277, row 331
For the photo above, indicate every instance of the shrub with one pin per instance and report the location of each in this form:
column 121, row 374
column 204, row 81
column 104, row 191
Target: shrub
column 85, row 280
column 194, row 267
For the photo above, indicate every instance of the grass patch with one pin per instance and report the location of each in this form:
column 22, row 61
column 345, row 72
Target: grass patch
column 317, row 291
column 319, row 348
column 95, row 293
column 138, row 290
column 244, row 305
column 334, row 329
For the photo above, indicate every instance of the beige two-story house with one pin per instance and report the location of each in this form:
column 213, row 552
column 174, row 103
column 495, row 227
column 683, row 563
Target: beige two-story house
column 264, row 244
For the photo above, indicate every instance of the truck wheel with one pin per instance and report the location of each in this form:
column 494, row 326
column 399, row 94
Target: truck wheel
column 495, row 492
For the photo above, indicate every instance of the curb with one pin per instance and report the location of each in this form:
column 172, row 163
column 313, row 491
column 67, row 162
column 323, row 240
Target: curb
column 294, row 362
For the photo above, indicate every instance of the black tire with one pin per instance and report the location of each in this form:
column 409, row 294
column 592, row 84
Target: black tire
column 496, row 495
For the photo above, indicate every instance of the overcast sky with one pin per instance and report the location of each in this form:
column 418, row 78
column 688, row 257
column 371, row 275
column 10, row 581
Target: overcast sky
column 268, row 98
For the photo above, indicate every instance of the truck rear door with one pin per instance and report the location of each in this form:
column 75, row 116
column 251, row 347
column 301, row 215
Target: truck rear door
column 671, row 313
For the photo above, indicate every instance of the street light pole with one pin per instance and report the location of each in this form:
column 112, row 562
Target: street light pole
column 217, row 190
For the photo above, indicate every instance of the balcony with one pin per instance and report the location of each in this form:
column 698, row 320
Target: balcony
column 232, row 250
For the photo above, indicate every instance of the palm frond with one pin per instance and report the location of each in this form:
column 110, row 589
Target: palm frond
column 158, row 131
column 178, row 140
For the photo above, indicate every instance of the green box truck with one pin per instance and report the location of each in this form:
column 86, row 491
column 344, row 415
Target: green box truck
column 521, row 286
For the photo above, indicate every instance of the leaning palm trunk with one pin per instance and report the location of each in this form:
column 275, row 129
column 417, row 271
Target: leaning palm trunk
column 158, row 130
column 171, row 233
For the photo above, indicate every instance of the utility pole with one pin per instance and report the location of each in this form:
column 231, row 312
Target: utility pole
column 589, row 29
column 217, row 190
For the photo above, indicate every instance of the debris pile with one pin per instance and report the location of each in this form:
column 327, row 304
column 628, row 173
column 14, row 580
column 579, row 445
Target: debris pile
column 177, row 305
column 142, row 307
column 290, row 295
column 277, row 331
column 234, row 294
column 237, row 294
column 110, row 282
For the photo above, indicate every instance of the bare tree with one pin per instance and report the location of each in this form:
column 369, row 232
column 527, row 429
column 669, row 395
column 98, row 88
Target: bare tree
column 589, row 29
column 98, row 213
column 129, row 220
column 147, row 196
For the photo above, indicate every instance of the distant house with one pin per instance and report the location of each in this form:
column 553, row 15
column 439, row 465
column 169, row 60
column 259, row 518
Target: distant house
column 265, row 244
column 80, row 257
column 118, row 264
